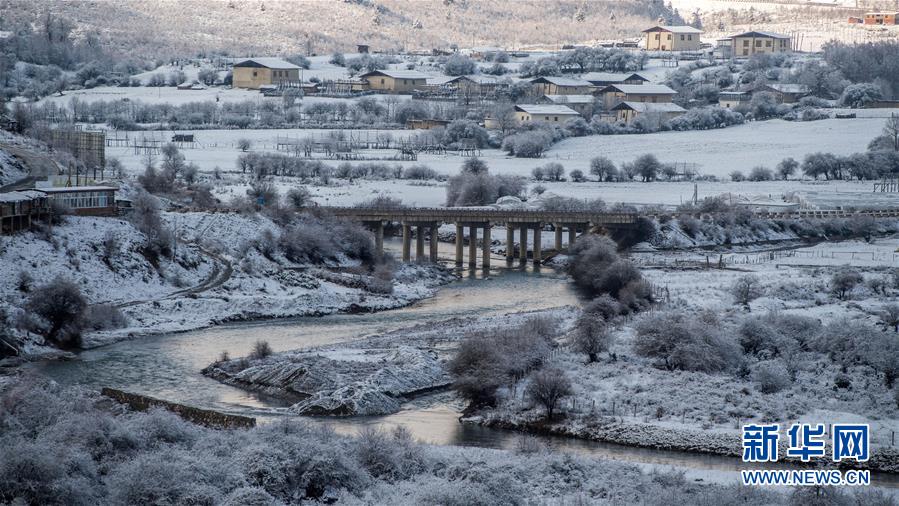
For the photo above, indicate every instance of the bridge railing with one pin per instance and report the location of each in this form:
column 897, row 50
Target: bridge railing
column 481, row 214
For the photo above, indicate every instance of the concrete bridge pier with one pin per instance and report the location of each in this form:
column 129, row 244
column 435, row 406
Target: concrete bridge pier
column 485, row 248
column 558, row 229
column 421, row 228
column 523, row 246
column 419, row 244
column 432, row 243
column 378, row 228
column 572, row 236
column 538, row 254
column 460, row 238
column 472, row 246
column 407, row 242
column 510, row 242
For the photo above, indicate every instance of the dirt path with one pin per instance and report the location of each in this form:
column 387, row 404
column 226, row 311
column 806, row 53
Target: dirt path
column 221, row 273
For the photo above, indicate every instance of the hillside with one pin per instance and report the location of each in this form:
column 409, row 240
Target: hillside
column 188, row 27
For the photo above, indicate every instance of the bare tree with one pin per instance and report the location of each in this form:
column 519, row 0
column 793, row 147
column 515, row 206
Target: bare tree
column 549, row 386
column 746, row 289
column 844, row 282
column 890, row 316
column 891, row 130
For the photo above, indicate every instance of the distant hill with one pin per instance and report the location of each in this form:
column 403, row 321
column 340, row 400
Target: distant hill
column 163, row 28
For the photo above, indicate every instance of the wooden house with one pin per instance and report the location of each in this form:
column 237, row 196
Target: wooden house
column 395, row 81
column 673, row 38
column 529, row 113
column 255, row 72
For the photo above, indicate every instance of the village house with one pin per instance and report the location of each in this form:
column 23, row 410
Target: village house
column 84, row 200
column 629, row 111
column 733, row 99
column 256, row 72
column 608, row 78
column 528, row 113
column 426, row 124
column 673, row 38
column 652, row 93
column 395, row 81
column 749, row 43
column 19, row 208
column 583, row 104
column 881, row 18
column 471, row 85
column 724, row 48
column 785, row 93
column 551, row 85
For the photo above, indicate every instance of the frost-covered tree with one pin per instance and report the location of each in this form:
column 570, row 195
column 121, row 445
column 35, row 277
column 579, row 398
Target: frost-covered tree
column 889, row 315
column 843, row 282
column 592, row 336
column 746, row 289
column 61, row 305
column 687, row 341
column 787, row 167
column 548, row 386
column 603, row 168
column 860, row 94
column 459, row 65
column 647, row 166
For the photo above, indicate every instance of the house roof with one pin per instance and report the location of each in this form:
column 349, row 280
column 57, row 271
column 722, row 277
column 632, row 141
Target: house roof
column 475, row 78
column 396, row 74
column 12, row 197
column 733, row 94
column 570, row 99
column 546, row 109
column 673, row 29
column 609, row 77
column 641, row 89
column 788, row 88
column 649, row 107
column 76, row 189
column 271, row 63
column 770, row 35
column 561, row 81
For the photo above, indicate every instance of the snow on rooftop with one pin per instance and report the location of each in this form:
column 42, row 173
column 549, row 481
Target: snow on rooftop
column 649, row 107
column 611, row 77
column 562, row 81
column 272, row 63
column 643, row 89
column 397, row 74
column 546, row 109
column 570, row 99
column 756, row 33
column 674, row 29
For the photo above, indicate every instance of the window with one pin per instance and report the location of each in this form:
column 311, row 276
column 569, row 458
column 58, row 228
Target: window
column 745, row 43
column 255, row 73
column 758, row 43
column 555, row 118
column 689, row 37
column 767, row 43
column 681, row 37
column 657, row 36
column 669, row 36
column 382, row 81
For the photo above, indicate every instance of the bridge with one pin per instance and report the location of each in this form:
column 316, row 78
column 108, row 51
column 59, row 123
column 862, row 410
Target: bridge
column 424, row 221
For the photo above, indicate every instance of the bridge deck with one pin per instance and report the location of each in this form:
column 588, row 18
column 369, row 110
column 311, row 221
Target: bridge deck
column 481, row 215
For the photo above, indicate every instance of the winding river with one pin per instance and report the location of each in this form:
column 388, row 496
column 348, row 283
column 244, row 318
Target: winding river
column 168, row 367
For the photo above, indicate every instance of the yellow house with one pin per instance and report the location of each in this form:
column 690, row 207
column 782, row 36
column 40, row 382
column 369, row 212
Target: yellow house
column 528, row 113
column 672, row 38
column 395, row 81
column 750, row 43
column 651, row 93
column 255, row 72
column 629, row 111
column 550, row 85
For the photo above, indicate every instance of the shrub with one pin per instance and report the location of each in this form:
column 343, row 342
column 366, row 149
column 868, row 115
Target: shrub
column 244, row 144
column 684, row 341
column 60, row 305
column 737, row 176
column 771, row 376
column 761, row 174
column 299, row 197
column 596, row 268
column 577, row 176
column 459, row 65
column 419, row 172
column 261, row 350
column 104, row 317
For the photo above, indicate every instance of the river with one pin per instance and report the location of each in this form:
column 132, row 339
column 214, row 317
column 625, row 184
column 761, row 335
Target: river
column 168, row 367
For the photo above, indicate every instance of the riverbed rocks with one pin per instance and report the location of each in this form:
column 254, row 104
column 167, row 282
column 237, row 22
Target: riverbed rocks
column 338, row 382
